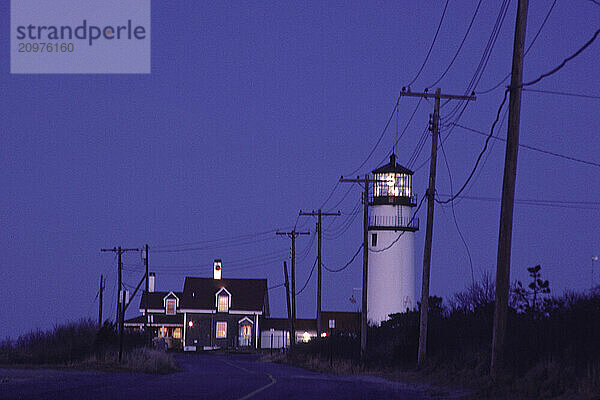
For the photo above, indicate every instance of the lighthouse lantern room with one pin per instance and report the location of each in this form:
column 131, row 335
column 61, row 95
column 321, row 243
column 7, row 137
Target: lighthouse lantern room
column 391, row 275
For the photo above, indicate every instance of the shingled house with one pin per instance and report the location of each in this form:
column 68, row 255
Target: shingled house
column 165, row 319
column 210, row 313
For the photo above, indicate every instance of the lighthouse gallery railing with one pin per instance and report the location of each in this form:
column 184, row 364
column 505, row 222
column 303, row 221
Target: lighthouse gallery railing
column 394, row 222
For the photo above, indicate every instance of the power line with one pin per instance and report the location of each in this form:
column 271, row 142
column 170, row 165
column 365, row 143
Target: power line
column 585, row 96
column 378, row 140
column 308, row 279
column 276, row 286
column 483, row 62
column 226, row 239
column 348, row 263
column 405, row 128
column 432, row 43
column 581, row 205
column 551, row 153
column 328, row 197
column 526, row 51
column 454, row 215
column 564, row 62
column 216, row 246
column 481, row 153
column 459, row 47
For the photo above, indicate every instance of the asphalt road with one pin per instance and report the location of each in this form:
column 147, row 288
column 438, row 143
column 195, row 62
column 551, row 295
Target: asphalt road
column 203, row 376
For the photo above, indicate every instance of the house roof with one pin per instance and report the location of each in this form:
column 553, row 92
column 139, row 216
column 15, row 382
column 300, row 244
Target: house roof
column 155, row 299
column 392, row 166
column 246, row 294
column 158, row 319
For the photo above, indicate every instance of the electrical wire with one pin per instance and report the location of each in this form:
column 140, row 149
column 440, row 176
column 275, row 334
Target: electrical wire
column 550, row 153
column 526, row 51
column 485, row 146
column 580, row 205
column 237, row 243
column 418, row 148
column 454, row 216
column 564, row 62
column 585, row 96
column 276, row 286
column 405, row 128
column 347, row 264
column 308, row 279
column 328, row 197
column 226, row 239
column 483, row 62
column 459, row 47
column 432, row 43
column 378, row 140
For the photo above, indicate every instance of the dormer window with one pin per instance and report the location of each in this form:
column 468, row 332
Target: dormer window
column 223, row 305
column 223, row 300
column 170, row 305
column 171, row 302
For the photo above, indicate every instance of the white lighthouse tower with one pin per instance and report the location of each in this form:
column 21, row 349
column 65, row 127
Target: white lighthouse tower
column 391, row 278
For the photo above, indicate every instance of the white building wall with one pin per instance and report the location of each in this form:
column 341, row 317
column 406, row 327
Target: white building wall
column 391, row 280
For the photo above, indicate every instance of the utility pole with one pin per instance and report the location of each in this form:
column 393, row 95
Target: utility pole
column 292, row 235
column 363, row 316
column 145, row 253
column 508, row 193
column 319, row 214
column 100, row 303
column 287, row 299
column 121, row 296
column 423, row 322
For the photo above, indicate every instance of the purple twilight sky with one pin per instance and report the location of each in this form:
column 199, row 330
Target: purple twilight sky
column 251, row 113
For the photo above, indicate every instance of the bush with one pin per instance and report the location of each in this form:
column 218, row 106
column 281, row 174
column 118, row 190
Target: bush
column 553, row 346
column 82, row 343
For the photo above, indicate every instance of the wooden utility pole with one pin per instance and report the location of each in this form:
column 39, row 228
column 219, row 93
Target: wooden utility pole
column 292, row 235
column 100, row 302
column 363, row 316
column 319, row 214
column 145, row 252
column 508, row 193
column 287, row 299
column 121, row 296
column 423, row 322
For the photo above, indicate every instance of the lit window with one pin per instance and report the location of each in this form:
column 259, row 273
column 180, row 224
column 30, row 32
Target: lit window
column 177, row 333
column 221, row 330
column 223, row 303
column 171, row 306
column 392, row 184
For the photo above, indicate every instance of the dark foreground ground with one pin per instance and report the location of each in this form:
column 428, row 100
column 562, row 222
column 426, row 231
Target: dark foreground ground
column 203, row 376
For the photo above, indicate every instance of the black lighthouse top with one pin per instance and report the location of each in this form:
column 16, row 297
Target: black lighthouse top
column 393, row 184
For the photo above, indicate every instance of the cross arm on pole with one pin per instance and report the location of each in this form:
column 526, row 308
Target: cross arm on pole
column 438, row 95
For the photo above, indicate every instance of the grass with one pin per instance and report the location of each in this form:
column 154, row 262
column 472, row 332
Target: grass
column 83, row 345
column 143, row 360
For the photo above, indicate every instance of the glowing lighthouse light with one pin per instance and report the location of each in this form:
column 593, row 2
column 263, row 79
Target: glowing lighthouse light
column 391, row 280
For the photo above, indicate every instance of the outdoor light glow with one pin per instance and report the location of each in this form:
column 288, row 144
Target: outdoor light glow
column 324, row 334
column 392, row 184
column 306, row 337
column 190, row 324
